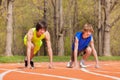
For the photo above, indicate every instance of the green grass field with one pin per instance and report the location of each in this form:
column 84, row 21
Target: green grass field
column 20, row 59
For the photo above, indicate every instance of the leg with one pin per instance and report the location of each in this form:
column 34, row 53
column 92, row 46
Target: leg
column 69, row 65
column 72, row 57
column 31, row 57
column 33, row 52
column 88, row 51
column 31, row 62
column 30, row 54
column 30, row 51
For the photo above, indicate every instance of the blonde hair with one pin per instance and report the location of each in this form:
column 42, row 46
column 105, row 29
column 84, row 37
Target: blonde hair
column 88, row 27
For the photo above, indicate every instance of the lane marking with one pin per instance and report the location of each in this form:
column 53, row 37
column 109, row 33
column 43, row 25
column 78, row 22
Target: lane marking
column 49, row 75
column 106, row 71
column 97, row 74
column 4, row 73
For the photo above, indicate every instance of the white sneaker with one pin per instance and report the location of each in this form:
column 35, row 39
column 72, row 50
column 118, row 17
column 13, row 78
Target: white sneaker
column 69, row 64
column 82, row 65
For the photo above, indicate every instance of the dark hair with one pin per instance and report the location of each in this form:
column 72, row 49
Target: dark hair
column 41, row 25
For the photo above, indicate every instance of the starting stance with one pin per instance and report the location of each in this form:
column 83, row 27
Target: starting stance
column 83, row 42
column 33, row 41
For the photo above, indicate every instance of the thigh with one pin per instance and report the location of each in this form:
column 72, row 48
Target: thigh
column 37, row 47
column 88, row 50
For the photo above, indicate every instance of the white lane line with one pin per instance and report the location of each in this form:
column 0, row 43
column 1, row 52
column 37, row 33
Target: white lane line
column 112, row 77
column 4, row 73
column 49, row 75
column 107, row 71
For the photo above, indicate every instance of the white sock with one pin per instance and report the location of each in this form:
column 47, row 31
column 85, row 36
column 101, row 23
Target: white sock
column 82, row 61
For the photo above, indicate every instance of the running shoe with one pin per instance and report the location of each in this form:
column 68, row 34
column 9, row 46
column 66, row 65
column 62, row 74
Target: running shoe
column 82, row 65
column 69, row 64
column 31, row 63
column 25, row 63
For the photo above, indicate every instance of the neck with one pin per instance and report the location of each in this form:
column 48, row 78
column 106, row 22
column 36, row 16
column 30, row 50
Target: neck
column 38, row 35
column 84, row 36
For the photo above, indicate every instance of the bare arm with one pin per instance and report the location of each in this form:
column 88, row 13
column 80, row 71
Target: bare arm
column 29, row 45
column 49, row 48
column 75, row 52
column 94, row 52
column 29, row 37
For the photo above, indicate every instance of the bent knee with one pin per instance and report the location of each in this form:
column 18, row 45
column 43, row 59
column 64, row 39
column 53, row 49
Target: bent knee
column 88, row 50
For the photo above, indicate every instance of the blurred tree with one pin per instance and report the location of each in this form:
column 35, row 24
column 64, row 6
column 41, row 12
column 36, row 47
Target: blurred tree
column 69, row 27
column 9, row 37
column 0, row 2
column 45, row 19
column 108, row 7
column 64, row 19
column 60, row 29
column 100, row 50
column 55, row 14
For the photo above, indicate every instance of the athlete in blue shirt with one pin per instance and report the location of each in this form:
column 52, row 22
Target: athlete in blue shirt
column 83, row 41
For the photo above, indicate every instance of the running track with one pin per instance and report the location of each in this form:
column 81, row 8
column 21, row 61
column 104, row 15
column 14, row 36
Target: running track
column 109, row 70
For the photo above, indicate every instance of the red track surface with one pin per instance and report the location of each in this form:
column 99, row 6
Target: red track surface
column 109, row 70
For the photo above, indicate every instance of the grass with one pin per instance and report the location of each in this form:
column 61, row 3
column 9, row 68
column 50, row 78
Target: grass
column 20, row 59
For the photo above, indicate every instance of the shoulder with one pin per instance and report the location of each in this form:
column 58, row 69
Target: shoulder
column 78, row 34
column 91, row 37
column 30, row 31
column 30, row 34
column 47, row 35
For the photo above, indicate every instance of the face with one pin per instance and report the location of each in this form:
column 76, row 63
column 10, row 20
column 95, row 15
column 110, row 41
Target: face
column 40, row 32
column 86, row 34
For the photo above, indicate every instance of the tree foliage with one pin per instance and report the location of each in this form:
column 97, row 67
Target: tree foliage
column 75, row 14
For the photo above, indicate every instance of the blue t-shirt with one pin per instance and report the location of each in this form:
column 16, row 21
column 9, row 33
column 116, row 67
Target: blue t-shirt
column 82, row 42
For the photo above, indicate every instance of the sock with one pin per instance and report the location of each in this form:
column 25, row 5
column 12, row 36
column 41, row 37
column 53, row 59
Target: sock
column 25, row 63
column 82, row 61
column 32, row 63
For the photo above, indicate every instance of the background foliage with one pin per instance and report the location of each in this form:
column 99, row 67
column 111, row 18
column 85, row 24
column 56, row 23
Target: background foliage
column 27, row 12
